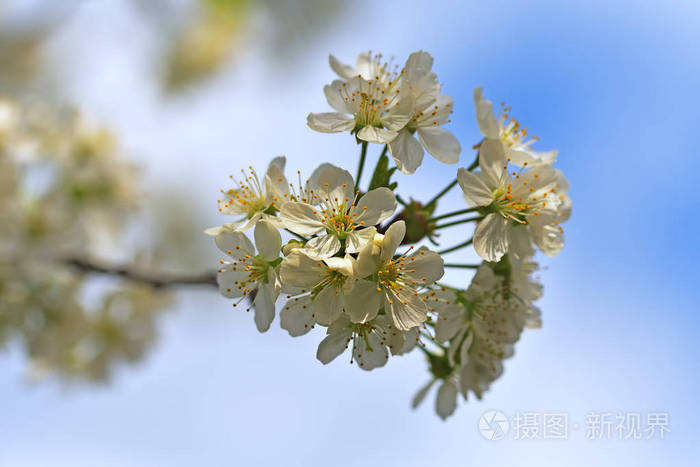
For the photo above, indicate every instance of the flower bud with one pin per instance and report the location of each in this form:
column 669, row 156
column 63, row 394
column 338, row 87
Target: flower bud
column 291, row 246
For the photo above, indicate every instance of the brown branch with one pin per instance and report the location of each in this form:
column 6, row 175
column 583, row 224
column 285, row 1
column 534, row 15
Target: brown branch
column 152, row 278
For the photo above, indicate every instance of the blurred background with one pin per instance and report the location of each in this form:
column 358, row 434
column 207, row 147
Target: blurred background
column 187, row 92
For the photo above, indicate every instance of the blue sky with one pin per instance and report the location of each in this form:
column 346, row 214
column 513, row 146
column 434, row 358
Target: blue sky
column 612, row 87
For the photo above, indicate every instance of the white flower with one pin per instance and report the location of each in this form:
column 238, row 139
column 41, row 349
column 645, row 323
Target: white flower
column 367, row 66
column 329, row 287
column 337, row 215
column 446, row 400
column 431, row 110
column 255, row 199
column 520, row 207
column 250, row 272
column 370, row 341
column 399, row 279
column 507, row 130
column 482, row 332
column 368, row 103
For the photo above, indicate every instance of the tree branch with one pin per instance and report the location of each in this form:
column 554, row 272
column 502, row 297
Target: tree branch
column 153, row 278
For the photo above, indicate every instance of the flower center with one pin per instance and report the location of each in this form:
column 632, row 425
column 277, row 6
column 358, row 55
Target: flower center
column 250, row 196
column 340, row 215
column 334, row 279
column 375, row 93
column 390, row 274
column 509, row 206
column 257, row 269
column 511, row 133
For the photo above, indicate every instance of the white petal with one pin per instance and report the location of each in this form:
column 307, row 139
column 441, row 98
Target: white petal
column 521, row 157
column 519, row 242
column 418, row 65
column 450, row 320
column 464, row 349
column 250, row 222
column 296, row 317
column 446, row 402
column 301, row 218
column 376, row 135
column 407, row 310
column 488, row 125
column 399, row 114
column 427, row 264
column 422, row 392
column 549, row 239
column 426, row 93
column 342, row 265
column 492, row 159
column 234, row 243
column 392, row 239
column 264, row 306
column 333, row 345
column 299, row 269
column 367, row 260
column 268, row 240
column 475, row 190
column 438, row 113
column 362, row 301
column 410, row 340
column 327, row 178
column 324, row 246
column 490, row 240
column 375, row 206
column 214, row 231
column 357, row 239
column 275, row 182
column 370, row 353
column 341, row 69
column 363, row 66
column 440, row 143
column 328, row 305
column 406, row 152
column 229, row 280
column 330, row 122
column 335, row 97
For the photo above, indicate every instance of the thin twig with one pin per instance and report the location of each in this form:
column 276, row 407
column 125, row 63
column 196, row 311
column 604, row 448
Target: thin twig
column 461, row 221
column 456, row 247
column 461, row 266
column 455, row 213
column 152, row 278
column 442, row 193
column 300, row 237
column 363, row 156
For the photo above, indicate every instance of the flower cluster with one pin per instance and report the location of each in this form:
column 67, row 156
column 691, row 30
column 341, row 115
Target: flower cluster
column 62, row 187
column 338, row 272
column 347, row 265
column 383, row 105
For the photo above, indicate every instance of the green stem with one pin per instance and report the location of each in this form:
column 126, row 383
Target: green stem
column 474, row 164
column 401, row 200
column 449, row 287
column 461, row 221
column 461, row 266
column 442, row 193
column 363, row 156
column 300, row 237
column 456, row 247
column 451, row 214
column 432, row 339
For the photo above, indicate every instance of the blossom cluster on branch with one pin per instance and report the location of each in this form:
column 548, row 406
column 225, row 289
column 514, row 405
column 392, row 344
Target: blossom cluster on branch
column 352, row 263
column 63, row 192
